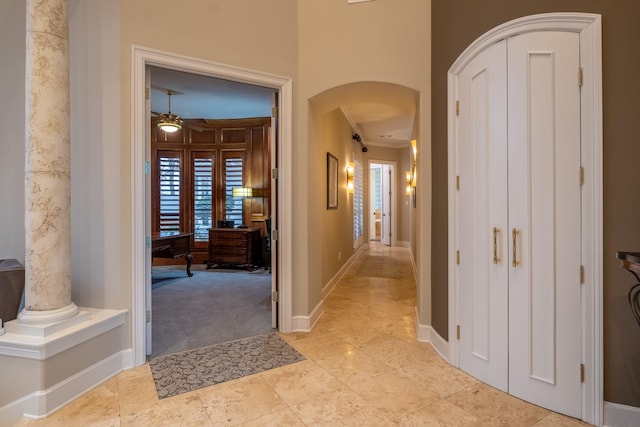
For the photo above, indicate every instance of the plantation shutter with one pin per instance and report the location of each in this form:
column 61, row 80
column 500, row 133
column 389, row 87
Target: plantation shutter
column 233, row 178
column 170, row 191
column 203, row 194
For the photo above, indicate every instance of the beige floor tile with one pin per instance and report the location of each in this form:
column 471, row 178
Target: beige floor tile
column 241, row 400
column 354, row 367
column 284, row 417
column 136, row 391
column 361, row 333
column 492, row 406
column 339, row 408
column 394, row 395
column 301, row 381
column 397, row 353
column 183, row 410
column 440, row 414
column 439, row 377
column 322, row 346
column 557, row 420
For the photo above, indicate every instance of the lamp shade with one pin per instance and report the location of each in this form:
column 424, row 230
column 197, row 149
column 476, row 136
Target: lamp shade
column 242, row 192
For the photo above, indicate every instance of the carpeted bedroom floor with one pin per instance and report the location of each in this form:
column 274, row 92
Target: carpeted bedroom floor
column 213, row 306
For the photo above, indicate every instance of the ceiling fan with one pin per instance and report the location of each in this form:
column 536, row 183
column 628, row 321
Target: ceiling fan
column 170, row 122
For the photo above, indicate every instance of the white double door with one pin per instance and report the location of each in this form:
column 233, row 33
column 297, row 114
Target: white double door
column 519, row 218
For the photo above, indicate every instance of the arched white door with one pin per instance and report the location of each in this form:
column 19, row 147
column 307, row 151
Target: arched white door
column 518, row 158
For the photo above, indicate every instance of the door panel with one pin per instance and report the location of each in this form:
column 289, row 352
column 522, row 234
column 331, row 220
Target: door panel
column 386, row 204
column 482, row 157
column 544, row 209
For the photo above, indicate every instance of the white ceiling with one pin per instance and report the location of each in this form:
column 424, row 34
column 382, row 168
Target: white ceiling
column 385, row 120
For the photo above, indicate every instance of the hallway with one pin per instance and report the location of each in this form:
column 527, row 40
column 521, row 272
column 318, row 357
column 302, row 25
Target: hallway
column 364, row 367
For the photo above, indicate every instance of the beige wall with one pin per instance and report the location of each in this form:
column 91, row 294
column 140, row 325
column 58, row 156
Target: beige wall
column 340, row 44
column 335, row 225
column 455, row 25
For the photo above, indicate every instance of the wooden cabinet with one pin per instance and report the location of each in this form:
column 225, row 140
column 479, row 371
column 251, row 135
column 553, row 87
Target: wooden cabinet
column 234, row 246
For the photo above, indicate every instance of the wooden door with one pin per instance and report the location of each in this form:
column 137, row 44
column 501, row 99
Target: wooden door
column 545, row 220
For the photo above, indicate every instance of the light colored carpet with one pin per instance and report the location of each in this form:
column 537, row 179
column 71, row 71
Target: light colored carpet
column 213, row 306
column 193, row 369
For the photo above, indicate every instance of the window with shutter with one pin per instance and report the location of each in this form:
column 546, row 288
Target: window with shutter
column 170, row 192
column 203, row 194
column 358, row 201
column 233, row 173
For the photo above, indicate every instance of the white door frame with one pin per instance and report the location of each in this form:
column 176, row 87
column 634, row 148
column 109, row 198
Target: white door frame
column 141, row 58
column 392, row 185
column 589, row 27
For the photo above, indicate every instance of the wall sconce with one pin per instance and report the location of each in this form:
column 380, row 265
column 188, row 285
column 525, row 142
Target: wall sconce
column 409, row 183
column 350, row 169
column 415, row 152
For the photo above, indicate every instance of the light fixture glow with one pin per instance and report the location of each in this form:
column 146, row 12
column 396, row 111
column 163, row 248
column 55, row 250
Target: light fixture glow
column 415, row 156
column 350, row 169
column 244, row 192
column 170, row 123
column 408, row 179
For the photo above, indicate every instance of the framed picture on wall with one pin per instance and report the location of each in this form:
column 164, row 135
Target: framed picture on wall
column 332, row 181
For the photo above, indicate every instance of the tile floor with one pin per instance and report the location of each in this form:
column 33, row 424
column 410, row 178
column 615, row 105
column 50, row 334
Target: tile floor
column 364, row 367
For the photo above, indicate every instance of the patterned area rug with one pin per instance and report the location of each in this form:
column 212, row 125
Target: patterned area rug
column 193, row 369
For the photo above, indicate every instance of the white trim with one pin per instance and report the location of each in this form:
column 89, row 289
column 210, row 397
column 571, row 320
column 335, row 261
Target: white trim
column 427, row 334
column 330, row 286
column 306, row 323
column 141, row 57
column 40, row 342
column 394, row 204
column 617, row 415
column 589, row 27
column 40, row 404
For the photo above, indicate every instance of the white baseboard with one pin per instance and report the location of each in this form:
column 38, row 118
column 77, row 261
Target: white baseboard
column 426, row 333
column 330, row 286
column 306, row 323
column 617, row 415
column 40, row 404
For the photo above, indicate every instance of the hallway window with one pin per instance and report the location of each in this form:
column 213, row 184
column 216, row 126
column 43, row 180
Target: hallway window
column 358, row 201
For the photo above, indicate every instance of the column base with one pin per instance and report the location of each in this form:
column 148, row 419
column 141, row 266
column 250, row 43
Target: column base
column 31, row 317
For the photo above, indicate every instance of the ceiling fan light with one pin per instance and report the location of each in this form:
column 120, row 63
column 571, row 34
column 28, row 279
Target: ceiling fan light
column 170, row 123
column 169, row 127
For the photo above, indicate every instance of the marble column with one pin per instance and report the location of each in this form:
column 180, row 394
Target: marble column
column 47, row 166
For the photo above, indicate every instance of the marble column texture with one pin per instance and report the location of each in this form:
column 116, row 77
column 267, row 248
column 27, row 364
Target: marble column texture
column 47, row 165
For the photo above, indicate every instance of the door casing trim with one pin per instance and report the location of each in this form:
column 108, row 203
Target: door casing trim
column 141, row 57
